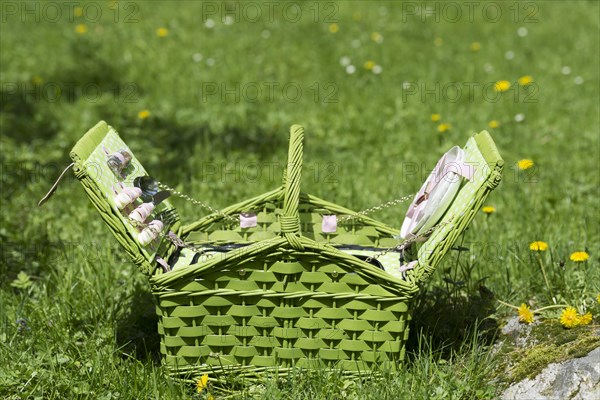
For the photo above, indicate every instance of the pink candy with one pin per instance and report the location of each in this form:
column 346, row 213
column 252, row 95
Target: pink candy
column 127, row 196
column 142, row 212
column 151, row 232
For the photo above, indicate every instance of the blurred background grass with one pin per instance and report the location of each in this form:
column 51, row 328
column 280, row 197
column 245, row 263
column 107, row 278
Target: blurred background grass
column 194, row 67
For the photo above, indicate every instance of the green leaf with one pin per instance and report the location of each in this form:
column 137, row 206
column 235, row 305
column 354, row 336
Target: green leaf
column 23, row 281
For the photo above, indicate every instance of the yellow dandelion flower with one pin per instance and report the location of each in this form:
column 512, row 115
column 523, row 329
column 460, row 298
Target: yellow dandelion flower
column 369, row 65
column 475, row 46
column 334, row 28
column 538, row 246
column 202, row 383
column 598, row 298
column 579, row 256
column 443, row 127
column 502, row 86
column 81, row 29
column 438, row 41
column 525, row 314
column 37, row 80
column 569, row 318
column 143, row 114
column 436, row 117
column 525, row 80
column 78, row 11
column 494, row 124
column 162, row 32
column 525, row 164
column 585, row 319
column 489, row 209
column 377, row 37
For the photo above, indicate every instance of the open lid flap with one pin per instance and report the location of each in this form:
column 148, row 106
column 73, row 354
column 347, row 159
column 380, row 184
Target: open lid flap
column 436, row 194
column 106, row 190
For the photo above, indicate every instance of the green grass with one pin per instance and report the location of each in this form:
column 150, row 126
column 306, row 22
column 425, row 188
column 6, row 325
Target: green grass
column 84, row 327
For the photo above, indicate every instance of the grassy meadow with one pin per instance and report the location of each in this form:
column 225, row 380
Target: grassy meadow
column 205, row 93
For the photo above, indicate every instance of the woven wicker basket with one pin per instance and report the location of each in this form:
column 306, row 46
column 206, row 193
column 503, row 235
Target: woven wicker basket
column 283, row 293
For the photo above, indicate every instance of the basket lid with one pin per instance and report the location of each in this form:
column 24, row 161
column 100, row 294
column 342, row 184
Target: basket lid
column 103, row 182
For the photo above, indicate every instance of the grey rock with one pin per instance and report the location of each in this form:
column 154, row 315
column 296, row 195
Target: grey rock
column 576, row 379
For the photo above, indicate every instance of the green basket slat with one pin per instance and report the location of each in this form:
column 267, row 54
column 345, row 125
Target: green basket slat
column 193, row 351
column 332, row 354
column 275, row 227
column 316, row 303
column 218, row 320
column 192, row 331
column 375, row 357
column 242, row 331
column 331, row 268
column 221, row 340
column 310, row 344
column 289, row 268
column 313, row 277
column 245, row 285
column 392, row 346
column 176, row 341
column 221, row 360
column 310, row 363
column 243, row 311
column 354, row 279
column 368, row 231
column 335, row 287
column 197, row 236
column 266, row 218
column 268, row 342
column 263, row 322
column 263, row 361
column 173, row 302
column 288, row 312
column 221, row 276
column 359, row 305
column 263, row 276
column 375, row 336
column 225, row 236
column 353, row 345
column 333, row 313
column 376, row 290
column 244, row 351
column 189, row 311
column 216, row 301
column 289, row 353
column 287, row 333
column 351, row 239
column 262, row 235
column 378, row 315
column 268, row 302
column 394, row 326
column 398, row 306
column 354, row 365
column 332, row 334
column 311, row 323
column 196, row 286
column 355, row 325
column 173, row 322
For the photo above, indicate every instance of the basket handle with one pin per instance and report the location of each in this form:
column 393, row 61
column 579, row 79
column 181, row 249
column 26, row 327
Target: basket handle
column 290, row 220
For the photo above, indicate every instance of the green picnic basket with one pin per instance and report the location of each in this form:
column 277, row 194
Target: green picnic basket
column 270, row 283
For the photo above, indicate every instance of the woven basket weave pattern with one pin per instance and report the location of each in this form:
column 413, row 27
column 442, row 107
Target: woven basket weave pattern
column 287, row 297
